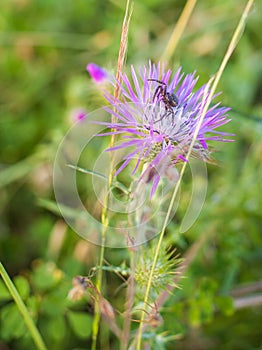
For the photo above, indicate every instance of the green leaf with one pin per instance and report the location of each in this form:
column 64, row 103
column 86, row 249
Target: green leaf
column 4, row 294
column 46, row 276
column 22, row 286
column 33, row 305
column 194, row 313
column 206, row 308
column 54, row 208
column 87, row 171
column 52, row 305
column 12, row 323
column 225, row 305
column 16, row 171
column 56, row 328
column 81, row 323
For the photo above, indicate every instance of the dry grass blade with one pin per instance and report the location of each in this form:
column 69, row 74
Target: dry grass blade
column 178, row 31
column 123, row 46
column 122, row 56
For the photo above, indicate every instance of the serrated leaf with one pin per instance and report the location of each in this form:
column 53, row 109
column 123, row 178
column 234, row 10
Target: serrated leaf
column 81, row 323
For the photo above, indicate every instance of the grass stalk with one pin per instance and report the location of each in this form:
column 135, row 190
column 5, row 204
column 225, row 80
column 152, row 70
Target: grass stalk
column 104, row 215
column 36, row 336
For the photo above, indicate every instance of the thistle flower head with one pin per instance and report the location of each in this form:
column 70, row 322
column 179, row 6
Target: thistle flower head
column 164, row 271
column 157, row 115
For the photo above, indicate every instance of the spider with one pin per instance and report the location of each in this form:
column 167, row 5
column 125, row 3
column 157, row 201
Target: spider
column 170, row 100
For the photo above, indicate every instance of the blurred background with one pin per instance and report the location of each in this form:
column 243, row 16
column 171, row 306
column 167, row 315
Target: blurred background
column 44, row 49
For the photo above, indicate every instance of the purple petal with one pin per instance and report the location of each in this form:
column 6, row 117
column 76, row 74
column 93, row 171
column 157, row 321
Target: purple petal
column 97, row 73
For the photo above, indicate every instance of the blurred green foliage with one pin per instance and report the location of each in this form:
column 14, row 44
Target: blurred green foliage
column 44, row 49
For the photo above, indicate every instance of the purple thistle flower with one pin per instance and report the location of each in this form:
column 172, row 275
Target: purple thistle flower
column 97, row 73
column 157, row 117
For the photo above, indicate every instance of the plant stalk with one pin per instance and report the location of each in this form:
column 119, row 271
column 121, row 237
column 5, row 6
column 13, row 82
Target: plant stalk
column 36, row 336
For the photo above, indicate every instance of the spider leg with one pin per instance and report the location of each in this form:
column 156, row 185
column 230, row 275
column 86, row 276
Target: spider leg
column 169, row 111
column 164, row 92
column 158, row 81
column 161, row 90
column 166, row 114
column 158, row 93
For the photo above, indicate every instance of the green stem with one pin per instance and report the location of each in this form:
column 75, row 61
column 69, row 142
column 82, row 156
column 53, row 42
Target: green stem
column 236, row 36
column 150, row 278
column 23, row 310
column 130, row 294
column 104, row 220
